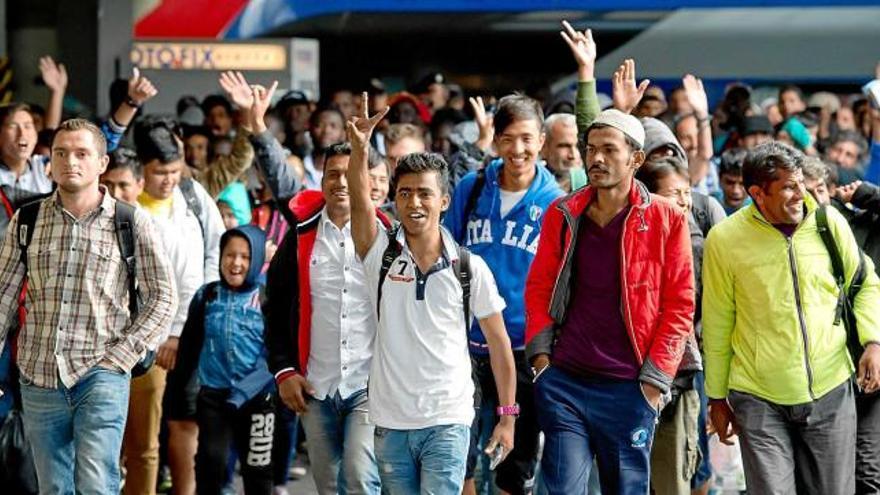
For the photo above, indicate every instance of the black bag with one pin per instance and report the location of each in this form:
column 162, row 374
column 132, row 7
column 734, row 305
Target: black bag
column 846, row 299
column 17, row 473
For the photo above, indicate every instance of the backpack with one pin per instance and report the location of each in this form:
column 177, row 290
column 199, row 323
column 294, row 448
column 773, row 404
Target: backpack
column 846, row 299
column 462, row 273
column 476, row 190
column 123, row 221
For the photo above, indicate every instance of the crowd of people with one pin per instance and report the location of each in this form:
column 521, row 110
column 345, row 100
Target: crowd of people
column 441, row 292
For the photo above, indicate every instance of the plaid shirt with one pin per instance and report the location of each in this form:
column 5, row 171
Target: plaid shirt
column 77, row 298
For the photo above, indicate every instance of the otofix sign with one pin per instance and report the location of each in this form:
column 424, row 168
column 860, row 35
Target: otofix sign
column 209, row 56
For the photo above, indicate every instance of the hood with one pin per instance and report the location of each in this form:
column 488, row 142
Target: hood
column 306, row 204
column 658, row 134
column 236, row 196
column 257, row 240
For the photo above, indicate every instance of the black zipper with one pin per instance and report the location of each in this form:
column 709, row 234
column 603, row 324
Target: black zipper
column 800, row 310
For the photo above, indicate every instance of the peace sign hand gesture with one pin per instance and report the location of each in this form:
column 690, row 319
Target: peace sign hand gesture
column 360, row 129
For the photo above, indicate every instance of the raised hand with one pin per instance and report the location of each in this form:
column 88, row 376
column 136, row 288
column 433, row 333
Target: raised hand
column 484, row 123
column 625, row 94
column 360, row 129
column 54, row 75
column 696, row 95
column 262, row 100
column 583, row 48
column 140, row 89
column 238, row 89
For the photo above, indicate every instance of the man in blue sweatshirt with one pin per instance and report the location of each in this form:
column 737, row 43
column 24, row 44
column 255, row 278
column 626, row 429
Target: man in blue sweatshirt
column 497, row 212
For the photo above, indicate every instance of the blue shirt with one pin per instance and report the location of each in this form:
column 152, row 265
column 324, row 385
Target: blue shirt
column 233, row 345
column 507, row 244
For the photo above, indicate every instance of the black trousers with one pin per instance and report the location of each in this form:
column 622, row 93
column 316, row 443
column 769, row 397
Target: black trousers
column 868, row 445
column 514, row 475
column 250, row 427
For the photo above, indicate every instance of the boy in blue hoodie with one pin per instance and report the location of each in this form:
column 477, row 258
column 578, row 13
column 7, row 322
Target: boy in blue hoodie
column 222, row 347
column 496, row 213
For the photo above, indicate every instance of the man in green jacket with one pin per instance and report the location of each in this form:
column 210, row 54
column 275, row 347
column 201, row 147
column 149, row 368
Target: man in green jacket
column 777, row 367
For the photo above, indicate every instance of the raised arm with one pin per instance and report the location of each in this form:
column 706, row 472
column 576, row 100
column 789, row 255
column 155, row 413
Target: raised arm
column 696, row 96
column 55, row 78
column 583, row 49
column 270, row 157
column 363, row 212
column 140, row 90
column 484, row 124
column 625, row 94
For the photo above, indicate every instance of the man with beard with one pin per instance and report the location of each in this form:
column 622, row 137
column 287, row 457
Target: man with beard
column 609, row 309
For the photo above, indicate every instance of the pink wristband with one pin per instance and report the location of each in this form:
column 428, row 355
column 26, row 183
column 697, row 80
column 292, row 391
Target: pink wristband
column 507, row 410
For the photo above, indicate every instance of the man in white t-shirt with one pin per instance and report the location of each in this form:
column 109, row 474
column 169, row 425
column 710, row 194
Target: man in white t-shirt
column 421, row 392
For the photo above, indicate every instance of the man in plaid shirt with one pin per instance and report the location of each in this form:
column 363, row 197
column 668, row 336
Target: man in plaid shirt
column 79, row 341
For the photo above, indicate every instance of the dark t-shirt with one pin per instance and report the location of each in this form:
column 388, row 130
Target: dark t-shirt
column 594, row 341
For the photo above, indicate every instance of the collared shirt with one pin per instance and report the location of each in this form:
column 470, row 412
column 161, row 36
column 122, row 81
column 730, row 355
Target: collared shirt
column 77, row 296
column 421, row 371
column 33, row 181
column 343, row 327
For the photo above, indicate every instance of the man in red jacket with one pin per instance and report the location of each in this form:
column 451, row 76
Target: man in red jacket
column 610, row 303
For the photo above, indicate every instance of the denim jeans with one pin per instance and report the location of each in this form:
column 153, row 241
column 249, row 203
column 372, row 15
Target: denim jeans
column 76, row 433
column 429, row 461
column 608, row 419
column 340, row 443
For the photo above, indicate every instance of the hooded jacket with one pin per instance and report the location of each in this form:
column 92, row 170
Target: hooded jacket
column 223, row 336
column 508, row 244
column 768, row 308
column 657, row 280
column 288, row 305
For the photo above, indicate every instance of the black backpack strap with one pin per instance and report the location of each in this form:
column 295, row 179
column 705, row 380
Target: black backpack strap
column 474, row 195
column 188, row 188
column 391, row 253
column 27, row 221
column 463, row 273
column 836, row 263
column 123, row 220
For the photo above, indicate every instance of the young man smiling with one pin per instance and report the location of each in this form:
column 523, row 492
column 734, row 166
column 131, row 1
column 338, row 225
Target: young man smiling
column 502, row 224
column 421, row 390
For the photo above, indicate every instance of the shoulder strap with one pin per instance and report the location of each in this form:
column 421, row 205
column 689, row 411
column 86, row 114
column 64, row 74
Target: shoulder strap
column 463, row 273
column 474, row 195
column 391, row 253
column 189, row 193
column 7, row 204
column 836, row 263
column 123, row 221
column 188, row 189
column 27, row 221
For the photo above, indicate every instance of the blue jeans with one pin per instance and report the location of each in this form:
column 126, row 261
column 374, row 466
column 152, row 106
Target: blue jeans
column 429, row 461
column 340, row 443
column 76, row 433
column 609, row 419
column 704, row 470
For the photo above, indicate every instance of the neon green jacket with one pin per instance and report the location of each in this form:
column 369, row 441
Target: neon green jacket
column 769, row 306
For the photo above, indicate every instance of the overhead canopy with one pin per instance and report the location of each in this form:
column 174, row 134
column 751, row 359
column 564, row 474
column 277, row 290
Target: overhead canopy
column 805, row 44
column 242, row 19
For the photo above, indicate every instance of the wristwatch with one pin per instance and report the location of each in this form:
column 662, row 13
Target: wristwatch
column 507, row 410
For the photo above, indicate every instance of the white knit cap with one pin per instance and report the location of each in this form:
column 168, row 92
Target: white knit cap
column 625, row 123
